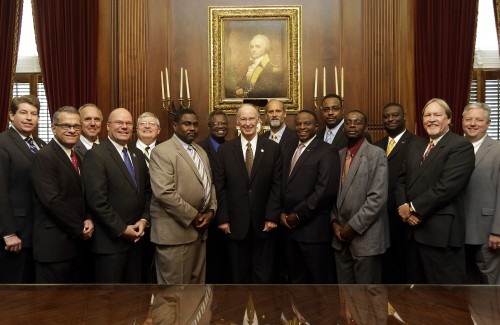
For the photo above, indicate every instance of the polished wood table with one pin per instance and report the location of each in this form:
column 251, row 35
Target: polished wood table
column 246, row 304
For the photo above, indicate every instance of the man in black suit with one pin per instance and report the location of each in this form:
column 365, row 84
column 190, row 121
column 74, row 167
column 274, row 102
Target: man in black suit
column 332, row 112
column 395, row 144
column 60, row 218
column 217, row 255
column 118, row 193
column 430, row 196
column 311, row 176
column 248, row 193
column 91, row 120
column 18, row 146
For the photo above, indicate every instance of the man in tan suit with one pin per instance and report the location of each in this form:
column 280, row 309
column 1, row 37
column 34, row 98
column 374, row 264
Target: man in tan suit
column 183, row 203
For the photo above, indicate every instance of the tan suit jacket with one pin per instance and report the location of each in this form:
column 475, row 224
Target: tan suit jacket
column 178, row 193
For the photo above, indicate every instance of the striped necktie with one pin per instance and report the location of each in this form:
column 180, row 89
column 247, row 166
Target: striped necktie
column 427, row 152
column 31, row 144
column 203, row 174
column 146, row 155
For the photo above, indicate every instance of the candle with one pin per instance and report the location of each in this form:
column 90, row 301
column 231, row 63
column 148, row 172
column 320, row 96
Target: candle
column 336, row 82
column 187, row 84
column 324, row 81
column 162, row 87
column 342, row 83
column 316, row 84
column 182, row 72
column 168, row 84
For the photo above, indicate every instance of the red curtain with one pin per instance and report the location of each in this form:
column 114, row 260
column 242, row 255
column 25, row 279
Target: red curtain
column 444, row 52
column 496, row 10
column 66, row 33
column 11, row 13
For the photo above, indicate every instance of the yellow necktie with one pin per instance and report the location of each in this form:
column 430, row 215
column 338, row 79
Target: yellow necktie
column 391, row 145
column 273, row 137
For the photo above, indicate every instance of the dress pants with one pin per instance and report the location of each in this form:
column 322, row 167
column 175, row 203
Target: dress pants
column 357, row 269
column 307, row 263
column 123, row 267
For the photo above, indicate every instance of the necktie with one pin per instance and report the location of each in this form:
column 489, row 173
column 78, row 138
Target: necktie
column 329, row 137
column 347, row 165
column 296, row 156
column 31, row 144
column 391, row 145
column 128, row 164
column 203, row 306
column 74, row 161
column 146, row 154
column 431, row 145
column 274, row 138
column 201, row 170
column 249, row 158
column 94, row 144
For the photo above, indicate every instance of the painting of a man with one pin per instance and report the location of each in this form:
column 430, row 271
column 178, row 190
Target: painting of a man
column 263, row 78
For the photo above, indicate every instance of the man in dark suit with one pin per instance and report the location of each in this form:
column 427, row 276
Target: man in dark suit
column 280, row 133
column 248, row 182
column 430, row 199
column 359, row 219
column 91, row 120
column 217, row 255
column 395, row 144
column 18, row 146
column 60, row 218
column 118, row 193
column 482, row 197
column 311, row 175
column 332, row 112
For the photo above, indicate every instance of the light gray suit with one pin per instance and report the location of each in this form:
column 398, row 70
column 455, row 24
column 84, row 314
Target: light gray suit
column 362, row 203
column 482, row 209
column 178, row 196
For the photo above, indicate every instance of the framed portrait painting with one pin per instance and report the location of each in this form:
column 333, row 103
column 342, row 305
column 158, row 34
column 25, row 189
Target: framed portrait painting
column 255, row 54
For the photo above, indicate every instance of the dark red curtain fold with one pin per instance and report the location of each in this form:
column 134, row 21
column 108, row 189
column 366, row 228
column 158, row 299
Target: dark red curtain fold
column 496, row 10
column 444, row 51
column 11, row 13
column 66, row 33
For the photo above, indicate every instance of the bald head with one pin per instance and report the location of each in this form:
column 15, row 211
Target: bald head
column 120, row 126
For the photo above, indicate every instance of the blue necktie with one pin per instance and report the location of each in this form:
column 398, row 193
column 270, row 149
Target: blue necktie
column 31, row 144
column 129, row 165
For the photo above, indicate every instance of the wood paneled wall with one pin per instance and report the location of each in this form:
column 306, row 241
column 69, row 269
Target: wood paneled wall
column 372, row 39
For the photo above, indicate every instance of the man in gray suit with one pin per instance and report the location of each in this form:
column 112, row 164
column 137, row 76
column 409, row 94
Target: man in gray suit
column 359, row 219
column 482, row 198
column 91, row 119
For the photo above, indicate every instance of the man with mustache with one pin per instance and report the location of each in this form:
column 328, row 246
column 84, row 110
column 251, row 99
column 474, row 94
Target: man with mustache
column 430, row 199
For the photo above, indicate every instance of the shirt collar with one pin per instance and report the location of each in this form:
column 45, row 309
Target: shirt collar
column 87, row 143
column 335, row 129
column 142, row 146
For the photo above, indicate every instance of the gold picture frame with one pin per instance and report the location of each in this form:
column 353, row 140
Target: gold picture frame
column 237, row 36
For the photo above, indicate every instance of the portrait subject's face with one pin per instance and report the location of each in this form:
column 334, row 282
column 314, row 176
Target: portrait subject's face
column 354, row 126
column 332, row 112
column 394, row 119
column 91, row 120
column 247, row 119
column 435, row 121
column 187, row 128
column 218, row 127
column 120, row 126
column 275, row 114
column 305, row 126
column 26, row 119
column 475, row 124
column 67, row 131
column 148, row 129
column 257, row 48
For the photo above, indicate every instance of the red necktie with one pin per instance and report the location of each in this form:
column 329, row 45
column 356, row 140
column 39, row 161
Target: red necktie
column 74, row 161
column 431, row 145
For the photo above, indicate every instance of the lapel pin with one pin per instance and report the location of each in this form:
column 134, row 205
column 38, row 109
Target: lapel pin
column 261, row 150
column 133, row 155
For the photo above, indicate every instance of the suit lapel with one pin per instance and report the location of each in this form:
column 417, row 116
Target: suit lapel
column 483, row 149
column 353, row 169
column 187, row 158
column 61, row 155
column 21, row 144
column 238, row 156
column 401, row 143
column 303, row 157
column 259, row 153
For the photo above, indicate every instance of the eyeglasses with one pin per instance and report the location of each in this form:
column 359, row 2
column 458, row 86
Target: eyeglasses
column 120, row 123
column 149, row 123
column 67, row 127
column 218, row 123
column 331, row 108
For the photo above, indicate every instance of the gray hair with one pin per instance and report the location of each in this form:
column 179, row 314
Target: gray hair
column 148, row 114
column 64, row 109
column 483, row 106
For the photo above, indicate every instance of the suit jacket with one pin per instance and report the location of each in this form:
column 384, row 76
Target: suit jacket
column 16, row 188
column 80, row 149
column 59, row 205
column 209, row 149
column 482, row 197
column 340, row 140
column 178, row 193
column 288, row 142
column 310, row 190
column 362, row 201
column 436, row 189
column 269, row 83
column 242, row 198
column 112, row 197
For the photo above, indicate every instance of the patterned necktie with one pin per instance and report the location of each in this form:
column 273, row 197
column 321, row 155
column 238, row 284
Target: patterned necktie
column 74, row 161
column 329, row 137
column 391, row 145
column 347, row 165
column 249, row 158
column 146, row 155
column 273, row 137
column 31, row 144
column 128, row 164
column 296, row 156
column 201, row 170
column 431, row 145
column 203, row 306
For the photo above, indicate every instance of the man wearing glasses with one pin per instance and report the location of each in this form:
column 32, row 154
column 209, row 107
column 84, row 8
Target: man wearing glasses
column 148, row 129
column 118, row 193
column 61, row 223
column 332, row 112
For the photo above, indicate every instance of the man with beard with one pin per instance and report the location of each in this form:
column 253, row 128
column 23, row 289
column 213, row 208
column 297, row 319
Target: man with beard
column 280, row 133
column 183, row 204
